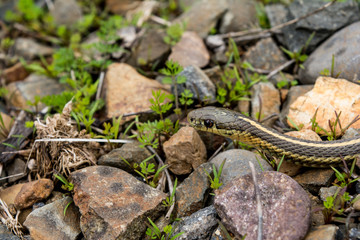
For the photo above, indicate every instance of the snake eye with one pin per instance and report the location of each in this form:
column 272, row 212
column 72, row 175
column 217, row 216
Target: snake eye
column 192, row 119
column 208, row 123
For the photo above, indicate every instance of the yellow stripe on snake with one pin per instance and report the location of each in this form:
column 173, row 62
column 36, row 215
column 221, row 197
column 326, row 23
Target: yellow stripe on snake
column 236, row 126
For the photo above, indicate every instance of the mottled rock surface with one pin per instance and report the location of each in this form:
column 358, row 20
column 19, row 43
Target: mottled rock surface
column 117, row 206
column 185, row 151
column 265, row 100
column 30, row 49
column 313, row 179
column 66, row 12
column 285, row 207
column 324, row 232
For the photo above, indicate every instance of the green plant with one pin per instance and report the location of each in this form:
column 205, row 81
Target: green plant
column 158, row 104
column 111, row 130
column 345, row 178
column 34, row 103
column 171, row 72
column 67, row 186
column 285, row 83
column 174, row 33
column 155, row 233
column 16, row 147
column 6, row 43
column 30, row 124
column 171, row 199
column 3, row 91
column 326, row 72
column 336, row 205
column 293, row 124
column 26, row 10
column 215, row 182
column 4, row 131
column 299, row 56
column 261, row 15
column 186, row 98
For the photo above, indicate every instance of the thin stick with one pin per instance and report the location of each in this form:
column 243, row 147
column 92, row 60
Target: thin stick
column 281, row 67
column 217, row 151
column 160, row 21
column 258, row 202
column 99, row 89
column 83, row 140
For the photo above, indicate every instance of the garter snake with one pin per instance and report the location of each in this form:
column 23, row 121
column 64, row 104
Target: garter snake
column 236, row 126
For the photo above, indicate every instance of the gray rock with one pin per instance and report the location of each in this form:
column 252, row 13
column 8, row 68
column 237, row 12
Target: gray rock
column 198, row 83
column 344, row 45
column 16, row 167
column 277, row 14
column 66, row 12
column 152, row 47
column 49, row 221
column 324, row 23
column 325, row 192
column 241, row 15
column 313, row 179
column 29, row 49
column 265, row 55
column 351, row 133
column 203, row 15
column 285, row 207
column 191, row 194
column 5, row 233
column 198, row 226
column 294, row 93
column 237, row 164
column 131, row 152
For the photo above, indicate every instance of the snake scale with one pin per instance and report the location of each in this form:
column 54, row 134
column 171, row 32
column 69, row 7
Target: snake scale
column 236, row 126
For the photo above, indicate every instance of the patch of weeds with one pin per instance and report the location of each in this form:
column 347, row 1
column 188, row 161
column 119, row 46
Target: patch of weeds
column 30, row 124
column 299, row 56
column 174, row 33
column 171, row 199
column 186, row 99
column 215, row 182
column 3, row 92
column 344, row 179
column 331, row 135
column 6, row 43
column 325, row 72
column 285, row 83
column 147, row 170
column 149, row 132
column 153, row 232
column 111, row 130
column 171, row 72
column 67, row 186
column 261, row 15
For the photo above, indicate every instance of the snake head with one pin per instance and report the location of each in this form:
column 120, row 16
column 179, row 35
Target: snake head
column 210, row 117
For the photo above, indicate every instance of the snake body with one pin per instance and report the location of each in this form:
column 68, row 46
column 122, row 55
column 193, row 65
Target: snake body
column 236, row 126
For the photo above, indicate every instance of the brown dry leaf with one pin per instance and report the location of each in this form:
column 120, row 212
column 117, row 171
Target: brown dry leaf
column 62, row 156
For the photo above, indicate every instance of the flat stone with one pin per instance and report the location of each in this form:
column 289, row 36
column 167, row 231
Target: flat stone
column 198, row 83
column 126, row 91
column 197, row 226
column 121, row 6
column 277, row 14
column 50, row 223
column 152, row 47
column 285, row 206
column 131, row 152
column 33, row 85
column 184, row 151
column 190, row 50
column 313, row 179
column 237, row 164
column 203, row 15
column 324, row 232
column 66, row 12
column 15, row 73
column 29, row 49
column 191, row 194
column 265, row 100
column 9, row 194
column 327, row 96
column 33, row 192
column 117, row 206
column 344, row 45
column 265, row 55
column 324, row 23
column 241, row 15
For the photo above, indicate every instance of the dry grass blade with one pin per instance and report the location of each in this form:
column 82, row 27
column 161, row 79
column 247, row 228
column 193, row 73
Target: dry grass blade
column 9, row 221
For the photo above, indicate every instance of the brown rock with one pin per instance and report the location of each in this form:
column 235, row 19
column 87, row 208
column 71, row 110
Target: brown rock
column 285, row 207
column 327, row 96
column 324, row 232
column 127, row 91
column 8, row 122
column 117, row 206
column 15, row 73
column 313, row 179
column 121, row 6
column 50, row 223
column 9, row 194
column 290, row 168
column 185, row 151
column 269, row 97
column 33, row 192
column 191, row 193
column 357, row 203
column 190, row 50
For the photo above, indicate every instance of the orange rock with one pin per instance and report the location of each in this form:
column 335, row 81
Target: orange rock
column 327, row 96
column 127, row 91
column 15, row 73
column 185, row 151
column 33, row 192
